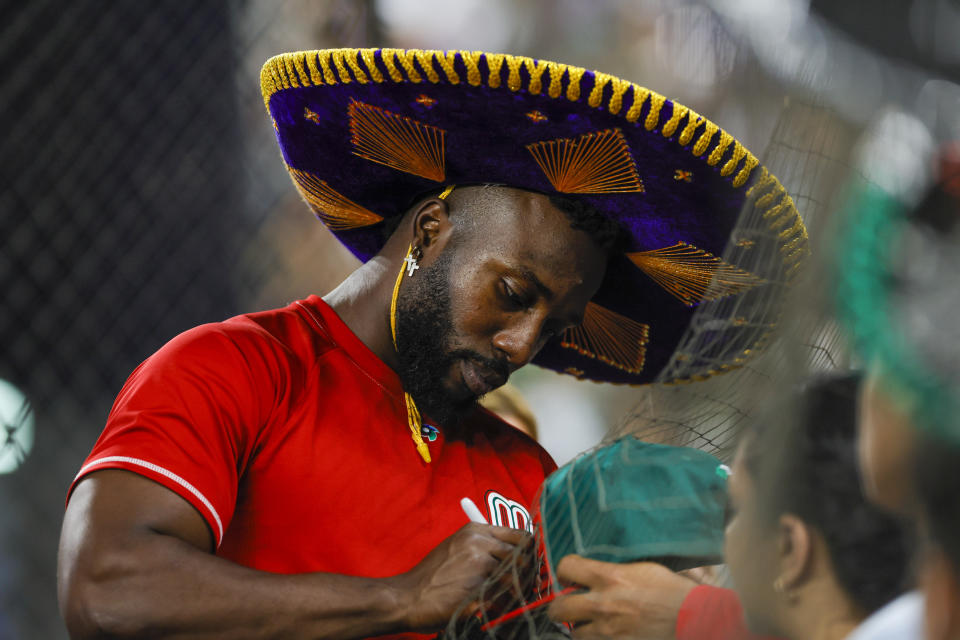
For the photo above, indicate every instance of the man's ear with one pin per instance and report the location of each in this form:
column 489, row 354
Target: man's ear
column 795, row 548
column 431, row 226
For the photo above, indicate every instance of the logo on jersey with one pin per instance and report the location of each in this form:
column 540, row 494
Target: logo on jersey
column 508, row 513
column 429, row 432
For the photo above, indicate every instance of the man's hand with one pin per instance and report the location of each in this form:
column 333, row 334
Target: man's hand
column 639, row 600
column 453, row 570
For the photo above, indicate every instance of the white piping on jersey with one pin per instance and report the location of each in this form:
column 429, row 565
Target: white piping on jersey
column 169, row 474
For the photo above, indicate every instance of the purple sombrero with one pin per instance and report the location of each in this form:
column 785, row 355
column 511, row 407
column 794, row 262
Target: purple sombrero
column 363, row 132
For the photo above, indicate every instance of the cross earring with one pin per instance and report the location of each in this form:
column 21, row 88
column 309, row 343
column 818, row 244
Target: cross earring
column 411, row 260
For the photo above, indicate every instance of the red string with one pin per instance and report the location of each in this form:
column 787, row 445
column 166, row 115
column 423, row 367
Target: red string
column 533, row 605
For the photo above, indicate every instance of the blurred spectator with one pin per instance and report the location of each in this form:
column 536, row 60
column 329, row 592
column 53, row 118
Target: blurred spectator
column 809, row 556
column 905, row 325
column 508, row 403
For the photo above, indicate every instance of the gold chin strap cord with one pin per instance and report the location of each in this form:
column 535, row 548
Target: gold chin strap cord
column 414, row 420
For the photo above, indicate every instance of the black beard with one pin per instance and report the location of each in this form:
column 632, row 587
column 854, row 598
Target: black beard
column 424, row 340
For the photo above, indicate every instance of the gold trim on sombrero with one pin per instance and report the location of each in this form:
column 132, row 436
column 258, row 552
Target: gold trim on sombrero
column 597, row 162
column 342, row 66
column 776, row 205
column 335, row 210
column 397, row 141
column 693, row 275
column 609, row 337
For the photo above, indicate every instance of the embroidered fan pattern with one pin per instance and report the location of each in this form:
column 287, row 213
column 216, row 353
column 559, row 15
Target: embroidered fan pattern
column 598, row 162
column 609, row 337
column 335, row 210
column 693, row 275
column 397, row 141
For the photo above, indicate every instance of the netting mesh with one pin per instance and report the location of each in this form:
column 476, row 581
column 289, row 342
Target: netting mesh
column 807, row 152
column 101, row 218
column 786, row 330
column 789, row 328
column 140, row 194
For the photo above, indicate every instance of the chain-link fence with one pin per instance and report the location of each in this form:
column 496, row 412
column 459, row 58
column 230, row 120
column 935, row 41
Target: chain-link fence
column 140, row 195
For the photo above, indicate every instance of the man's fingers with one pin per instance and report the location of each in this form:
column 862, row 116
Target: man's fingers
column 499, row 549
column 470, row 610
column 487, row 541
column 515, row 537
column 498, row 541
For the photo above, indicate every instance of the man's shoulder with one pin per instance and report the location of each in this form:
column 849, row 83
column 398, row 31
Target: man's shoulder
column 299, row 329
column 287, row 338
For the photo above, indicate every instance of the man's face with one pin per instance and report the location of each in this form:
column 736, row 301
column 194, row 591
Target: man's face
column 486, row 301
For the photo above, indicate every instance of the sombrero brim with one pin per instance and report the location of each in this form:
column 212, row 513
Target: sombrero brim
column 364, row 131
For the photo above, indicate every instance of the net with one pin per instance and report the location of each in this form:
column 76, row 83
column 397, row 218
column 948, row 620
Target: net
column 847, row 117
column 706, row 414
column 782, row 332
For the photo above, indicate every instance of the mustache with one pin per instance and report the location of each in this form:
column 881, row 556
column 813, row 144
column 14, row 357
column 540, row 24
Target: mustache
column 499, row 367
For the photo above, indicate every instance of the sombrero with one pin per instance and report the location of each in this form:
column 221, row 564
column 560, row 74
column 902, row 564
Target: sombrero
column 364, row 132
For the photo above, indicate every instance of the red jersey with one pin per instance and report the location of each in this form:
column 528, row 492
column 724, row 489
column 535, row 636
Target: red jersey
column 290, row 437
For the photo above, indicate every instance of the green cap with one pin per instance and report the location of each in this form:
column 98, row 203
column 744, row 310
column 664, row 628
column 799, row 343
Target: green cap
column 634, row 500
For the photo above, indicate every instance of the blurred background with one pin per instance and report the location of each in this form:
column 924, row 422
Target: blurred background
column 142, row 192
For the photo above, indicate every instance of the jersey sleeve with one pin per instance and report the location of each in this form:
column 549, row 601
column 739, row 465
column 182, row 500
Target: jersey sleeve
column 189, row 417
column 713, row 613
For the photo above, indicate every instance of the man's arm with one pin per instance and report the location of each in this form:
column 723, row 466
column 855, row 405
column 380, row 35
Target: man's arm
column 135, row 560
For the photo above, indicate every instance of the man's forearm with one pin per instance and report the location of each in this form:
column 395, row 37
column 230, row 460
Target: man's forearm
column 135, row 561
column 165, row 587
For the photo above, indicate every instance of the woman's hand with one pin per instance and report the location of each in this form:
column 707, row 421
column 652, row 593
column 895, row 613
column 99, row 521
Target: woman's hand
column 639, row 600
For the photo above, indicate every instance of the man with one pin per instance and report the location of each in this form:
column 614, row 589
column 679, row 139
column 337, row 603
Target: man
column 298, row 472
